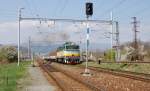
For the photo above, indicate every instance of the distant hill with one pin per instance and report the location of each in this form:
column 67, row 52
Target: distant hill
column 49, row 48
column 46, row 48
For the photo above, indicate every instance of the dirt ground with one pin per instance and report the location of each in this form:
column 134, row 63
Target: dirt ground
column 36, row 80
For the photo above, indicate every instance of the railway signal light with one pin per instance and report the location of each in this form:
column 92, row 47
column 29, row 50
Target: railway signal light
column 89, row 12
column 89, row 9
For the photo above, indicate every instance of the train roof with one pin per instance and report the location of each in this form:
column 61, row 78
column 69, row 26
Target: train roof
column 71, row 45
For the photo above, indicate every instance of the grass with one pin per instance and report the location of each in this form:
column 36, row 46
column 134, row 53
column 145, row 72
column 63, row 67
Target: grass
column 10, row 74
column 137, row 67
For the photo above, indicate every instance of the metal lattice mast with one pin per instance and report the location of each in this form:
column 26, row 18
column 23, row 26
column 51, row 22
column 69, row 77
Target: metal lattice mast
column 118, row 55
column 135, row 45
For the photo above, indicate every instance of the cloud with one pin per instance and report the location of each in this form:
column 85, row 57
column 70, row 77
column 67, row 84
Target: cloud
column 8, row 32
column 60, row 31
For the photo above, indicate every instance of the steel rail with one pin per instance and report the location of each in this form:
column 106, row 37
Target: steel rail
column 60, row 84
column 56, row 80
column 81, row 81
column 49, row 69
column 132, row 75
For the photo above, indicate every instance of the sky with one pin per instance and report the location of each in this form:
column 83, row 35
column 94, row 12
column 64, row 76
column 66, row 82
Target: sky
column 123, row 11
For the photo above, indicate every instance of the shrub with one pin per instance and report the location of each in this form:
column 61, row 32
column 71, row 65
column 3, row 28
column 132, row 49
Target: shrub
column 8, row 53
column 110, row 55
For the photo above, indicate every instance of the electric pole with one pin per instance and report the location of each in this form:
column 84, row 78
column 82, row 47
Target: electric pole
column 29, row 48
column 20, row 11
column 135, row 44
column 117, row 43
column 111, row 34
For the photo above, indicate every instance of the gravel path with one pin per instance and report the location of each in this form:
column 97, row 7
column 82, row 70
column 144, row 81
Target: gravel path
column 36, row 81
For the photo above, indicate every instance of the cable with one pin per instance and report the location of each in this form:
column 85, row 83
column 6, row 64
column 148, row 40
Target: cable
column 102, row 3
column 115, row 6
column 142, row 11
column 64, row 6
column 28, row 4
column 55, row 9
column 139, row 12
column 130, row 7
column 6, row 15
column 8, row 12
column 35, row 6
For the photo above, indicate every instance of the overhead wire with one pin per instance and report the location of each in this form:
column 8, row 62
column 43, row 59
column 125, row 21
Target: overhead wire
column 29, row 6
column 64, row 6
column 35, row 6
column 137, row 13
column 133, row 7
column 32, row 9
column 100, row 5
column 8, row 12
column 142, row 11
column 114, row 6
column 55, row 9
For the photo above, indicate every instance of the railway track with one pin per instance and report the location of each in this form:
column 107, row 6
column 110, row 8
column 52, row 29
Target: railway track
column 81, row 80
column 134, row 62
column 67, row 82
column 97, row 82
column 127, row 74
column 106, row 81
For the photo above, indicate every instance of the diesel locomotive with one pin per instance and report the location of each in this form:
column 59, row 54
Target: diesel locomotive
column 68, row 53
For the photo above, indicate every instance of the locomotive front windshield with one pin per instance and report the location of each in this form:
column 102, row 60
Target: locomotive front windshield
column 72, row 47
column 68, row 46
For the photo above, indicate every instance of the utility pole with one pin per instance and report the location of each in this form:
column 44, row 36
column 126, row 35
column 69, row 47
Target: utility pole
column 117, row 43
column 29, row 48
column 80, row 49
column 19, row 35
column 111, row 34
column 115, row 33
column 135, row 45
